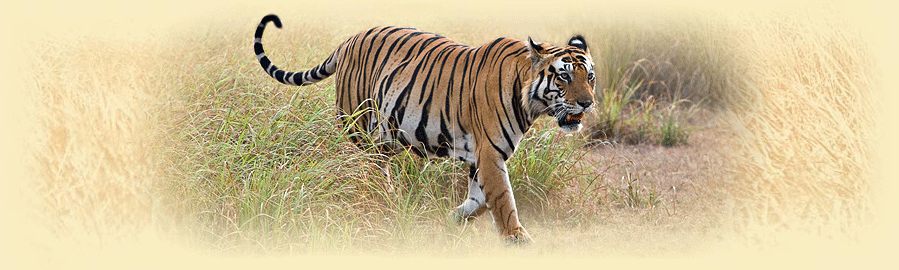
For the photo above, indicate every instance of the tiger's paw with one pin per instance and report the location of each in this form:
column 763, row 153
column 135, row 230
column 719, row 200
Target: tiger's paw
column 460, row 216
column 519, row 237
column 456, row 216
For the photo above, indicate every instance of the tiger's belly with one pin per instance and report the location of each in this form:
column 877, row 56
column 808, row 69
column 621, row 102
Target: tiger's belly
column 432, row 139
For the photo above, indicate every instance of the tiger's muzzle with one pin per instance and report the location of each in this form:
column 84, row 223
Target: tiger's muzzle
column 570, row 119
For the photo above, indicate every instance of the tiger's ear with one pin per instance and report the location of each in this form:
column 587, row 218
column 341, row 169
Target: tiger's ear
column 579, row 42
column 537, row 52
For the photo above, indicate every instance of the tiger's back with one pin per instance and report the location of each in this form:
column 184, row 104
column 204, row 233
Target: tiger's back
column 418, row 89
column 411, row 89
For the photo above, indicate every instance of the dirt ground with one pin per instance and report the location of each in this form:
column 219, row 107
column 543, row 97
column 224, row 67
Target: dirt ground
column 677, row 208
column 688, row 187
column 687, row 174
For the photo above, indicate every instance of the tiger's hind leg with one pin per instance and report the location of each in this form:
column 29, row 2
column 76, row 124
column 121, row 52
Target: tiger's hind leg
column 475, row 203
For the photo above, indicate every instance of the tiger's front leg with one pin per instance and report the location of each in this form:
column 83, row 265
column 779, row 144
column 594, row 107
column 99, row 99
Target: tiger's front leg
column 494, row 177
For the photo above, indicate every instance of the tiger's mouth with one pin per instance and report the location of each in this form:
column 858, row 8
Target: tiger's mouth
column 571, row 122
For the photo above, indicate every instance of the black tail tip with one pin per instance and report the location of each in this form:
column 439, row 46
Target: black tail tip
column 272, row 18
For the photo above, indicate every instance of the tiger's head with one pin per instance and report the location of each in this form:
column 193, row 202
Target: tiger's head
column 564, row 81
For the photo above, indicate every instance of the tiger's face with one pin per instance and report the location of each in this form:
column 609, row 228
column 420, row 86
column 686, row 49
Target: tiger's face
column 564, row 83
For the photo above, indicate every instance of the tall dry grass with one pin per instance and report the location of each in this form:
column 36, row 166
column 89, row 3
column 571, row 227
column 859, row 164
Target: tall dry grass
column 97, row 159
column 802, row 111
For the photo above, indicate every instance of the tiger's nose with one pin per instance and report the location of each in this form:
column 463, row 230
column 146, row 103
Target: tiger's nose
column 585, row 104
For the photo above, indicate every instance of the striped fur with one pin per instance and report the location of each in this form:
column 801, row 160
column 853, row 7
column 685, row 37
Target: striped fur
column 424, row 92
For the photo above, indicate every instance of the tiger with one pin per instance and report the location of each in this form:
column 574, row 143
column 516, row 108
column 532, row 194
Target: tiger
column 438, row 98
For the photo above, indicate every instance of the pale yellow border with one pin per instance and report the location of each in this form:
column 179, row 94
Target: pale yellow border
column 25, row 22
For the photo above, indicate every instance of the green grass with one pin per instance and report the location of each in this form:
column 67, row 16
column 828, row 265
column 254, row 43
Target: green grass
column 543, row 164
column 634, row 194
column 672, row 129
column 657, row 74
column 624, row 118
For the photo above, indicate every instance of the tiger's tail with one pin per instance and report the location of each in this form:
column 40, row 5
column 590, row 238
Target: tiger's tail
column 311, row 76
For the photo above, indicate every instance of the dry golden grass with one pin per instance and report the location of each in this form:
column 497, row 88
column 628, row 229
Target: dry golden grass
column 785, row 162
column 804, row 129
column 96, row 178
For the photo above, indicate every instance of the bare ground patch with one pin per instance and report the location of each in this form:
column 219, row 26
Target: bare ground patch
column 644, row 201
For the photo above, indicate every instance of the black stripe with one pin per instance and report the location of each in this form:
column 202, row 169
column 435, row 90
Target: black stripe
column 505, row 156
column 264, row 62
column 298, row 79
column 449, row 91
column 278, row 75
column 385, row 85
column 420, row 133
column 349, row 75
column 496, row 199
column 265, row 20
column 358, row 75
column 506, row 135
column 512, row 102
column 444, row 136
column 509, row 216
column 403, row 97
column 518, row 108
column 325, row 71
column 462, row 93
column 257, row 48
column 500, row 119
column 313, row 74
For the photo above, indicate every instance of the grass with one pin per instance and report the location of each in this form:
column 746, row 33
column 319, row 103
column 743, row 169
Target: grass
column 624, row 118
column 184, row 138
column 803, row 135
column 542, row 166
column 658, row 80
column 634, row 195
